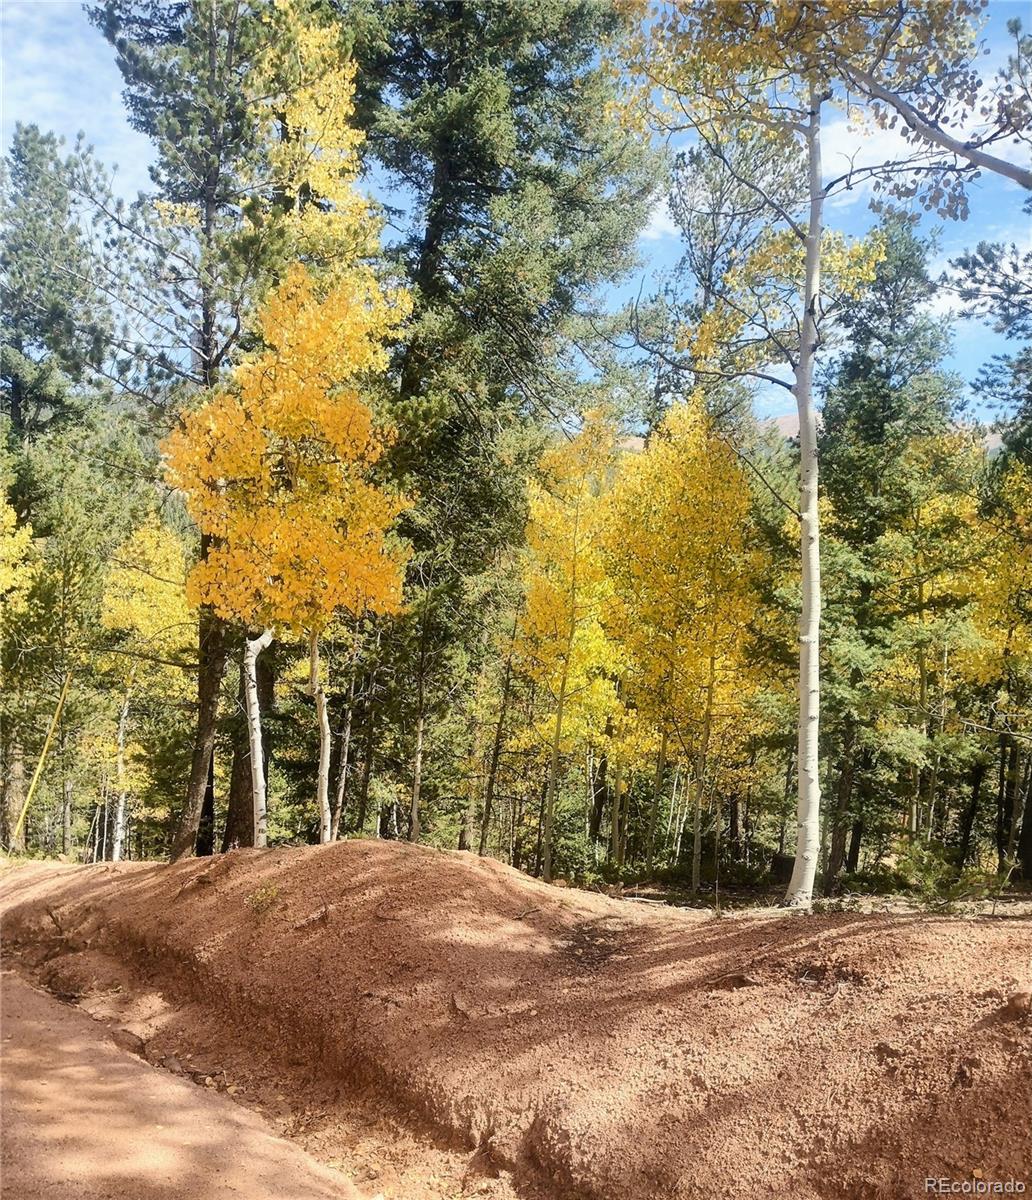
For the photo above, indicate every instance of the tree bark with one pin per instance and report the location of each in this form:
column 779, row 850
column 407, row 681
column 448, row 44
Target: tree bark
column 843, row 799
column 657, row 789
column 417, row 775
column 367, row 772
column 66, row 815
column 808, row 820
column 616, row 830
column 978, row 771
column 14, row 798
column 211, row 666
column 1018, row 804
column 239, row 827
column 120, row 804
column 344, row 763
column 700, row 775
column 599, row 796
column 1006, row 796
column 553, row 772
column 206, row 829
column 322, row 796
column 496, row 745
column 259, row 801
column 1024, row 848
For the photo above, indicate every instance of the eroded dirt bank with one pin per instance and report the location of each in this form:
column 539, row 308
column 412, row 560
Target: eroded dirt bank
column 621, row 1053
column 81, row 1118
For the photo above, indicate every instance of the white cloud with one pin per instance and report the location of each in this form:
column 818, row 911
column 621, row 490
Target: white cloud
column 60, row 73
column 660, row 224
column 854, row 145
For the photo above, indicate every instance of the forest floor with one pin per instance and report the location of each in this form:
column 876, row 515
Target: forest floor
column 438, row 1025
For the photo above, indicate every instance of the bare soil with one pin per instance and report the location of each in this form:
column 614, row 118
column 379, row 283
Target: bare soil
column 439, row 1025
column 83, row 1118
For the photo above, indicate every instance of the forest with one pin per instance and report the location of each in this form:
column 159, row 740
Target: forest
column 354, row 489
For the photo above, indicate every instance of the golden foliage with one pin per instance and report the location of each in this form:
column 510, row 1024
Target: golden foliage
column 275, row 466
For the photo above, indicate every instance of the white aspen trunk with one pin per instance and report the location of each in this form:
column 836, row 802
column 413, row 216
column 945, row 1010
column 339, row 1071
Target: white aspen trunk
column 808, row 816
column 342, row 773
column 118, row 837
column 553, row 774
column 700, row 775
column 252, row 648
column 322, row 794
column 674, row 801
column 417, row 778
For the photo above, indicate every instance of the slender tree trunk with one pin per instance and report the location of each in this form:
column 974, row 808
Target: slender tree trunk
column 252, row 649
column 66, row 815
column 1007, row 796
column 978, row 771
column 206, row 829
column 104, row 829
column 843, row 799
column 700, row 774
column 671, row 811
column 616, row 832
column 539, row 839
column 808, row 831
column 496, row 745
column 367, row 774
column 1018, row 804
column 322, row 793
column 14, row 799
column 553, row 771
column 120, row 804
column 599, row 793
column 1024, row 847
column 345, row 762
column 211, row 666
column 657, row 789
column 239, row 828
column 417, row 775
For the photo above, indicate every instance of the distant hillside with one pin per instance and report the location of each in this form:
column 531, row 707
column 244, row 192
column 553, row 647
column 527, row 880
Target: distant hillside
column 788, row 426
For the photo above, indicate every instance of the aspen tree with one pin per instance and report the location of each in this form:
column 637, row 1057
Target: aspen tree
column 276, row 468
column 563, row 644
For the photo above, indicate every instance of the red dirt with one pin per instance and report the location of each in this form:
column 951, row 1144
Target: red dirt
column 594, row 1048
column 83, row 1118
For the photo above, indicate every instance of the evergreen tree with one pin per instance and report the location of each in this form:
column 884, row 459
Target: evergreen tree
column 519, row 194
column 53, row 321
column 888, row 396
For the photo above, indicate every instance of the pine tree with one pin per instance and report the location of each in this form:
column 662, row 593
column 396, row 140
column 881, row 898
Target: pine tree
column 520, row 195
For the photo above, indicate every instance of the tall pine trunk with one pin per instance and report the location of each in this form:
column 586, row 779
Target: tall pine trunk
column 808, row 815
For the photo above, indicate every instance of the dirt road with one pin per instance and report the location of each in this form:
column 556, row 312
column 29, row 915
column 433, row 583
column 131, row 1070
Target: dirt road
column 84, row 1118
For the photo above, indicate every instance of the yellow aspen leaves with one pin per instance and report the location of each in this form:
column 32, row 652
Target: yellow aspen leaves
column 275, row 465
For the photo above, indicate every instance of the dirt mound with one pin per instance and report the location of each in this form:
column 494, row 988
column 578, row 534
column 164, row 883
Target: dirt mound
column 623, row 1053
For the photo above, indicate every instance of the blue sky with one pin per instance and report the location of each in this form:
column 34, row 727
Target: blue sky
column 60, row 73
